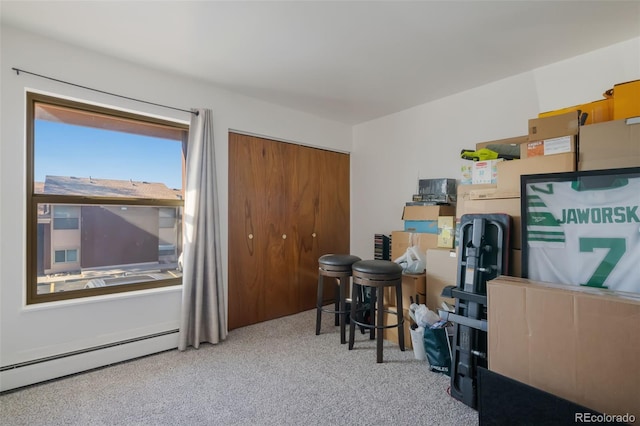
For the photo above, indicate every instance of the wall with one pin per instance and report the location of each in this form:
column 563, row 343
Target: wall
column 422, row 142
column 390, row 154
column 34, row 332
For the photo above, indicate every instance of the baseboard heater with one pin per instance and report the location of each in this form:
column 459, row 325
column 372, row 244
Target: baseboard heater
column 162, row 341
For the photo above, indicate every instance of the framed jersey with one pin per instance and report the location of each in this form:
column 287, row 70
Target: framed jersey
column 582, row 228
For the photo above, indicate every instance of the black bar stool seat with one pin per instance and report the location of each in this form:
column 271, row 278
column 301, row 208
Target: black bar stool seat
column 336, row 266
column 376, row 274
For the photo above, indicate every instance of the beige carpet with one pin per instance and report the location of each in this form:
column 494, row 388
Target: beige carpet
column 274, row 373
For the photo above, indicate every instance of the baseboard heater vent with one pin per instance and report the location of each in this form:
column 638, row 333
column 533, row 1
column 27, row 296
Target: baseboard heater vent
column 86, row 350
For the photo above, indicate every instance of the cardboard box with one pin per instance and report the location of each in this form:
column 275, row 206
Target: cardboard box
column 578, row 343
column 418, row 281
column 401, row 241
column 554, row 126
column 419, row 221
column 611, row 145
column 442, row 271
column 510, row 206
column 427, row 226
column 463, row 197
column 426, row 212
column 446, row 231
column 391, row 334
column 464, row 193
column 597, row 111
column 558, row 145
column 412, row 285
column 485, row 171
column 626, row 100
column 509, row 172
column 492, row 193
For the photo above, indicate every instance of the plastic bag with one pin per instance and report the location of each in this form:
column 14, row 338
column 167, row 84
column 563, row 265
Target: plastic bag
column 436, row 347
column 425, row 317
column 412, row 261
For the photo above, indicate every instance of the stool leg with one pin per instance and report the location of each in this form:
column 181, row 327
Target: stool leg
column 343, row 307
column 319, row 304
column 336, row 296
column 400, row 315
column 355, row 302
column 372, row 311
column 379, row 322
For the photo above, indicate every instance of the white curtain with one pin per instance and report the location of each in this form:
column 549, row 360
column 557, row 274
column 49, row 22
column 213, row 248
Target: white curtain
column 204, row 317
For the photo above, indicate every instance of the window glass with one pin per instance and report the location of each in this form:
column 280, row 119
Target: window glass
column 72, row 255
column 167, row 217
column 66, row 217
column 60, row 256
column 108, row 186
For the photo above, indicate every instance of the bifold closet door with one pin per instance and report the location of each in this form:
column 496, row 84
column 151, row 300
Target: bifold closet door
column 306, row 183
column 334, row 214
column 288, row 205
column 322, row 210
column 260, row 285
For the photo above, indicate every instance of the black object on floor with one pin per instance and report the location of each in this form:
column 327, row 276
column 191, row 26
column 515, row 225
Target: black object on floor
column 503, row 401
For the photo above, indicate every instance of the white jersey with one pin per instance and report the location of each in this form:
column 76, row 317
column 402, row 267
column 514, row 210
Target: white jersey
column 585, row 236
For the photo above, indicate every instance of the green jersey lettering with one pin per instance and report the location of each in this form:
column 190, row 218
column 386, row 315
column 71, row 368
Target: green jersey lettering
column 617, row 248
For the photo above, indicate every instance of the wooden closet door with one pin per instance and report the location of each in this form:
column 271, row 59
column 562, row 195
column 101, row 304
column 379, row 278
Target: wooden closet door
column 288, row 205
column 334, row 194
column 334, row 212
column 259, row 285
column 306, row 182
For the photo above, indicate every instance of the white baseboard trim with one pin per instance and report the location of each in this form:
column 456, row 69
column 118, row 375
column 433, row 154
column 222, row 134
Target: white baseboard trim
column 29, row 373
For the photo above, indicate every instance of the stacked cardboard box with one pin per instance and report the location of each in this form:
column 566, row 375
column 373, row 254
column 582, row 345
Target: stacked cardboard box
column 611, row 145
column 442, row 271
column 504, row 196
column 421, row 228
column 391, row 334
column 579, row 343
column 597, row 111
column 556, row 134
column 413, row 288
column 626, row 100
column 621, row 102
column 423, row 218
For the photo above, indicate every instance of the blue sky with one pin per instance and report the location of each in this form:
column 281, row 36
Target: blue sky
column 69, row 150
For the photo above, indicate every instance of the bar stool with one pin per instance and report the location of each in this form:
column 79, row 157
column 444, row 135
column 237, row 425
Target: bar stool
column 376, row 274
column 335, row 266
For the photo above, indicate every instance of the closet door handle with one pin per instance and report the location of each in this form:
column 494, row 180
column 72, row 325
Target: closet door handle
column 250, row 236
column 284, row 236
column 313, row 235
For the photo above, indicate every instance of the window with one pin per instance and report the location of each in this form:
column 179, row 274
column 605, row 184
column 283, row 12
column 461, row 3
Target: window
column 66, row 217
column 104, row 200
column 66, row 256
column 167, row 217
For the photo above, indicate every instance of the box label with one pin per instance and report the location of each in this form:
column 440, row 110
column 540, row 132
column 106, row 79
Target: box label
column 558, row 145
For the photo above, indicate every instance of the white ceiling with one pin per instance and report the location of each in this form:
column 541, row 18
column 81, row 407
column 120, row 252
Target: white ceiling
column 350, row 61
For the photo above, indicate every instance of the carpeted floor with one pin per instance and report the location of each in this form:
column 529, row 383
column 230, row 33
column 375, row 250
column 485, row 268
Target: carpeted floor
column 274, row 373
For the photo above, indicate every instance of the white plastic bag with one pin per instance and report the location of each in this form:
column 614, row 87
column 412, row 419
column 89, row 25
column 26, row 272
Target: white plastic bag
column 413, row 261
column 425, row 317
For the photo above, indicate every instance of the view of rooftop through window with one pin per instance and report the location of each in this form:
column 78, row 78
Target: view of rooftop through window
column 70, row 150
column 107, row 201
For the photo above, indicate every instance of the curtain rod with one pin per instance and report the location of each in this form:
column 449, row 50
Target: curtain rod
column 18, row 71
